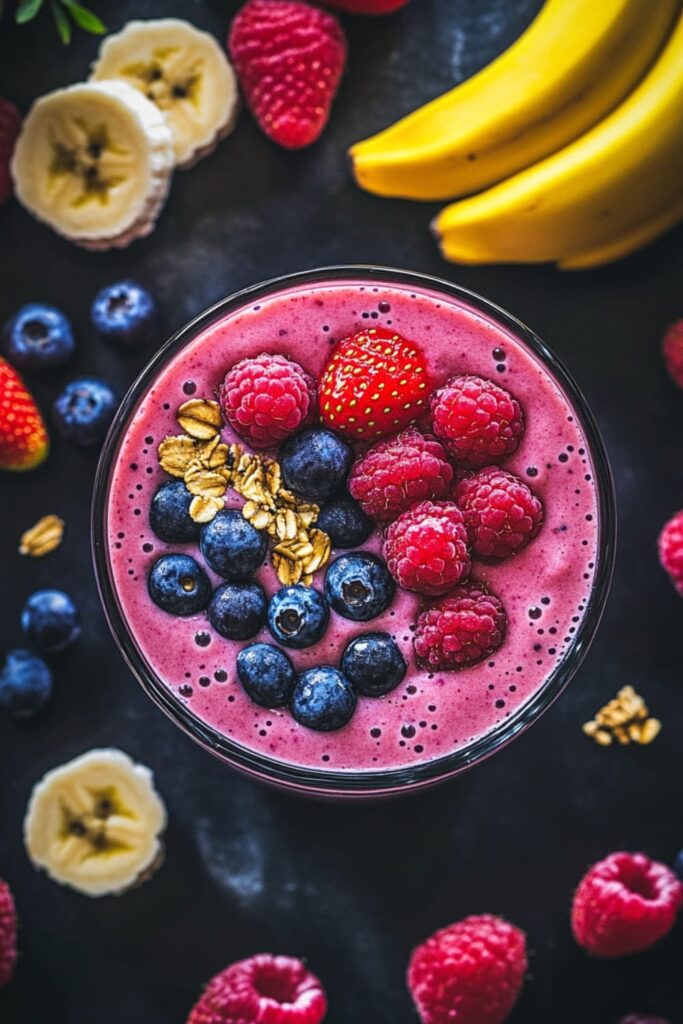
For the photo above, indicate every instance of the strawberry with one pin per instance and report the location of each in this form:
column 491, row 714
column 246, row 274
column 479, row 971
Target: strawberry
column 23, row 437
column 289, row 57
column 375, row 384
column 367, row 6
column 10, row 122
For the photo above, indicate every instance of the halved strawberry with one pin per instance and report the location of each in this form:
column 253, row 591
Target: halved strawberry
column 23, row 438
column 375, row 384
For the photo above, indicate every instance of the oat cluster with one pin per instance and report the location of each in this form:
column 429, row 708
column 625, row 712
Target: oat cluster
column 43, row 537
column 625, row 719
column 209, row 467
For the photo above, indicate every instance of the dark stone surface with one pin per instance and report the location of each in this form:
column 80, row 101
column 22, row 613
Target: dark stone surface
column 352, row 888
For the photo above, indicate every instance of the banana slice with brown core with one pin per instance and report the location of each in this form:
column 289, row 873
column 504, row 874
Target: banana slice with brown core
column 94, row 162
column 95, row 823
column 184, row 72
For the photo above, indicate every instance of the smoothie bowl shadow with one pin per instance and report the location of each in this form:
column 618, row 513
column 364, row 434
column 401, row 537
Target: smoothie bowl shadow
column 372, row 780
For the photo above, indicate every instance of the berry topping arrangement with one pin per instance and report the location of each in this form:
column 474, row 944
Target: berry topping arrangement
column 407, row 509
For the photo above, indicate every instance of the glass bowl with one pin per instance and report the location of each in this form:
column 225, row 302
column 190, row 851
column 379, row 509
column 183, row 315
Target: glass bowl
column 376, row 781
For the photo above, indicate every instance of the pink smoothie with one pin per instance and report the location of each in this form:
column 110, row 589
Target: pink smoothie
column 544, row 589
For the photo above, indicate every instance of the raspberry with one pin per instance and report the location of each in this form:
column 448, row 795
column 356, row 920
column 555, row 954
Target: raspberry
column 624, row 904
column 461, row 629
column 671, row 550
column 426, row 548
column 502, row 514
column 368, row 6
column 263, row 989
column 478, row 421
column 374, row 384
column 637, row 1018
column 396, row 473
column 672, row 351
column 290, row 58
column 8, row 934
column 266, row 398
column 469, row 973
column 10, row 123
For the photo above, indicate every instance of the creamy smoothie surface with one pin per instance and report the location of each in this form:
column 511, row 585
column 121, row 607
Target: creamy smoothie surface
column 544, row 588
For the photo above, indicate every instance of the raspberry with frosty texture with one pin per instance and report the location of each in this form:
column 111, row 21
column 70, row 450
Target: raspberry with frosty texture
column 264, row 989
column 460, row 629
column 398, row 472
column 8, row 934
column 672, row 351
column 426, row 548
column 469, row 973
column 10, row 123
column 671, row 550
column 624, row 904
column 478, row 421
column 267, row 398
column 502, row 513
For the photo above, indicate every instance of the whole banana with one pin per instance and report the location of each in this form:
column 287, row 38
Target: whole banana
column 613, row 190
column 572, row 66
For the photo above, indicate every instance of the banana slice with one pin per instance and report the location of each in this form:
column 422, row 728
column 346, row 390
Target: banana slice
column 95, row 823
column 94, row 162
column 184, row 71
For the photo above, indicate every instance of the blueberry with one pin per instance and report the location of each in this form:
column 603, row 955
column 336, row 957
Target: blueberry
column 374, row 664
column 232, row 547
column 123, row 314
column 38, row 337
column 359, row 586
column 267, row 675
column 678, row 864
column 238, row 610
column 315, row 463
column 178, row 585
column 50, row 620
column 298, row 616
column 323, row 699
column 169, row 514
column 84, row 410
column 344, row 521
column 25, row 684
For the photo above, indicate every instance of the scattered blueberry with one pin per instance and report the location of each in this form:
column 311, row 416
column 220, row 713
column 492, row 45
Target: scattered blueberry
column 178, row 585
column 315, row 463
column 84, row 410
column 50, row 620
column 38, row 337
column 169, row 514
column 359, row 586
column 345, row 523
column 298, row 616
column 231, row 546
column 238, row 610
column 123, row 314
column 374, row 664
column 678, row 864
column 25, row 684
column 267, row 675
column 323, row 699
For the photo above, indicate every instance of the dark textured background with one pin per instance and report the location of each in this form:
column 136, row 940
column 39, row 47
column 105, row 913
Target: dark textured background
column 351, row 888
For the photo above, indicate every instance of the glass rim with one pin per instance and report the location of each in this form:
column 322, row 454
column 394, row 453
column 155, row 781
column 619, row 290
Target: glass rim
column 376, row 781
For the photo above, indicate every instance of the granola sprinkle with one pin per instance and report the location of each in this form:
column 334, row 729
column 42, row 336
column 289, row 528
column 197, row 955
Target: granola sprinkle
column 43, row 537
column 209, row 467
column 625, row 719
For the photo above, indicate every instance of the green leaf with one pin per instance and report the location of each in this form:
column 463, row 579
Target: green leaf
column 27, row 10
column 62, row 22
column 84, row 18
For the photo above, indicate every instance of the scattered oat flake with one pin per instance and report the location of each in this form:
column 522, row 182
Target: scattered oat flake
column 625, row 719
column 42, row 538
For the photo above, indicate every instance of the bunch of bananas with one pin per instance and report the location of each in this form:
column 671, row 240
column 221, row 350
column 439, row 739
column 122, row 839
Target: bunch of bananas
column 572, row 141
